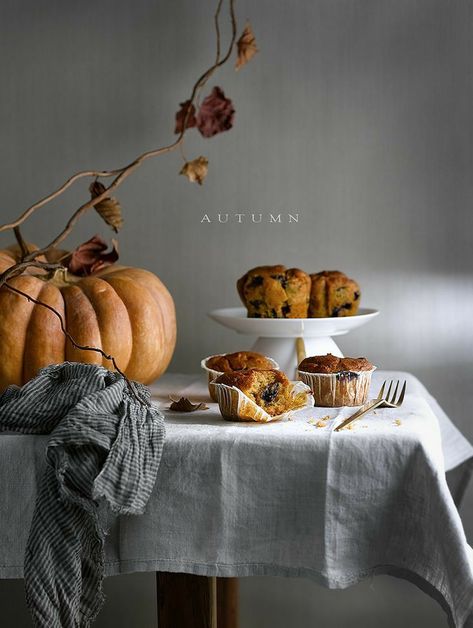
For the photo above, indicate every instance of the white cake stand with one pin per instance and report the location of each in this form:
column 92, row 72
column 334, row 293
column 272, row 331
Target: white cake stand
column 277, row 336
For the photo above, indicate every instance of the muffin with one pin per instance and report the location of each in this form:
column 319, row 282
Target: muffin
column 258, row 395
column 332, row 293
column 337, row 381
column 216, row 365
column 275, row 292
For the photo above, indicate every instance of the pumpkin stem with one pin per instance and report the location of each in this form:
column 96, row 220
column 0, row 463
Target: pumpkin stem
column 21, row 243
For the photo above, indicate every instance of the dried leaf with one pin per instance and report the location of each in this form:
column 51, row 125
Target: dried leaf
column 185, row 405
column 90, row 257
column 196, row 170
column 216, row 113
column 181, row 116
column 246, row 47
column 108, row 208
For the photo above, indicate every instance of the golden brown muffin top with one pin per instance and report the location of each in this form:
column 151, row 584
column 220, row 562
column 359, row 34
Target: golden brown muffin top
column 244, row 379
column 331, row 364
column 238, row 361
column 328, row 273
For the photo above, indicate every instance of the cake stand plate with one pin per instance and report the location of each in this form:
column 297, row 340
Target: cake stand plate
column 277, row 336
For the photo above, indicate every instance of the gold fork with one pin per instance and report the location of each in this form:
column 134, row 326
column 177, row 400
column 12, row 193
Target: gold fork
column 390, row 401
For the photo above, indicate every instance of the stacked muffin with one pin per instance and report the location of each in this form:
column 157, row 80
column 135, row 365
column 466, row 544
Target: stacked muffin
column 278, row 292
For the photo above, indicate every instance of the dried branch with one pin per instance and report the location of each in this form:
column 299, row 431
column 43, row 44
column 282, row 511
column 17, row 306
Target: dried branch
column 47, row 199
column 29, row 259
column 21, row 242
column 18, row 269
column 217, row 30
column 122, row 173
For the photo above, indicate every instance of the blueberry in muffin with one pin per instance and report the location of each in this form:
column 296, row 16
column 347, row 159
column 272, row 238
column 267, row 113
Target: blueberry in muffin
column 337, row 381
column 269, row 389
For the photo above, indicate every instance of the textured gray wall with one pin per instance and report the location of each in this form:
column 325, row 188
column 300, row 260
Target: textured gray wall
column 356, row 114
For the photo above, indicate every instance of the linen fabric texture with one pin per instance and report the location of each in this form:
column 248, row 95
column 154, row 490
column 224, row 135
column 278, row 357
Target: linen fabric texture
column 102, row 458
column 284, row 499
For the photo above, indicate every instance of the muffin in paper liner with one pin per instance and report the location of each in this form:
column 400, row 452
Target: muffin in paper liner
column 236, row 406
column 213, row 374
column 334, row 390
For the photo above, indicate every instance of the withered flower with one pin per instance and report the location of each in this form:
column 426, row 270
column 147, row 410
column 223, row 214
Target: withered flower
column 90, row 257
column 246, row 47
column 216, row 114
column 196, row 170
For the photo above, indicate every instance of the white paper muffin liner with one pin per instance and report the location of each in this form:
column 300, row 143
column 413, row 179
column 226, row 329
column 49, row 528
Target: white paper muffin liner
column 212, row 374
column 236, row 406
column 331, row 391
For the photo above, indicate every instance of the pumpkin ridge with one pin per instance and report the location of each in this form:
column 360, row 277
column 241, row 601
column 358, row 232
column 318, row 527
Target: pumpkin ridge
column 99, row 303
column 11, row 329
column 44, row 321
column 144, row 313
column 74, row 317
column 140, row 275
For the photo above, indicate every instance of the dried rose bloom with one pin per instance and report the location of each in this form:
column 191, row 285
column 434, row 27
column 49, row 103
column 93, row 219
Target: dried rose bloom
column 216, row 114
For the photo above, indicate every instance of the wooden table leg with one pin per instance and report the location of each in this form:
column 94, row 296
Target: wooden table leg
column 186, row 601
column 227, row 602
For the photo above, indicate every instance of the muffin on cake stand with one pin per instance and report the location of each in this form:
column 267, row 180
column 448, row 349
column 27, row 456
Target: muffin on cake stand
column 287, row 339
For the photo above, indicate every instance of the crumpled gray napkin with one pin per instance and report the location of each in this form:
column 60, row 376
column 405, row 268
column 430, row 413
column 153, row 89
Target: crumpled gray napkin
column 102, row 457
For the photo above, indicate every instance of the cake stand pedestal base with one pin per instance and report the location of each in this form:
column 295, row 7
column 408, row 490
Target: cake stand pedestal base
column 284, row 350
column 278, row 338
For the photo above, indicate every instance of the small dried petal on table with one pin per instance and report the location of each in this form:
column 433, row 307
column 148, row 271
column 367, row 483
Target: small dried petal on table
column 185, row 405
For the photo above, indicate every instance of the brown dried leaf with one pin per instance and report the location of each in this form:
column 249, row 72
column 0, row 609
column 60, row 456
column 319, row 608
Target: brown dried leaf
column 196, row 170
column 181, row 116
column 108, row 208
column 90, row 257
column 216, row 113
column 185, row 405
column 246, row 47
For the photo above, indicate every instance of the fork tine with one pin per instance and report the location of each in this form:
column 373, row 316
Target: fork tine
column 394, row 395
column 389, row 390
column 381, row 391
column 403, row 392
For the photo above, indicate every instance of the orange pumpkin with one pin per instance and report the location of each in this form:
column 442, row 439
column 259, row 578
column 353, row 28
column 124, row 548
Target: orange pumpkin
column 127, row 312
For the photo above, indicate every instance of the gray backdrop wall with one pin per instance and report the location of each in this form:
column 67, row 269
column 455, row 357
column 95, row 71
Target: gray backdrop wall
column 356, row 114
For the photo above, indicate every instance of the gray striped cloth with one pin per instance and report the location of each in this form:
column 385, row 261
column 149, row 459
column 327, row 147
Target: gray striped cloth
column 102, row 458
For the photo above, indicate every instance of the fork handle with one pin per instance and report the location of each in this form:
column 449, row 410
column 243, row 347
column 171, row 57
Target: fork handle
column 359, row 413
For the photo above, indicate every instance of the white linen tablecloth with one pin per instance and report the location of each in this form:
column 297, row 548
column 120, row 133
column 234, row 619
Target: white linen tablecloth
column 284, row 499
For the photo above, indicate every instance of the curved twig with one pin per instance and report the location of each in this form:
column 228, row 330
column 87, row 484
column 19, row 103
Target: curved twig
column 29, row 259
column 18, row 269
column 121, row 173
